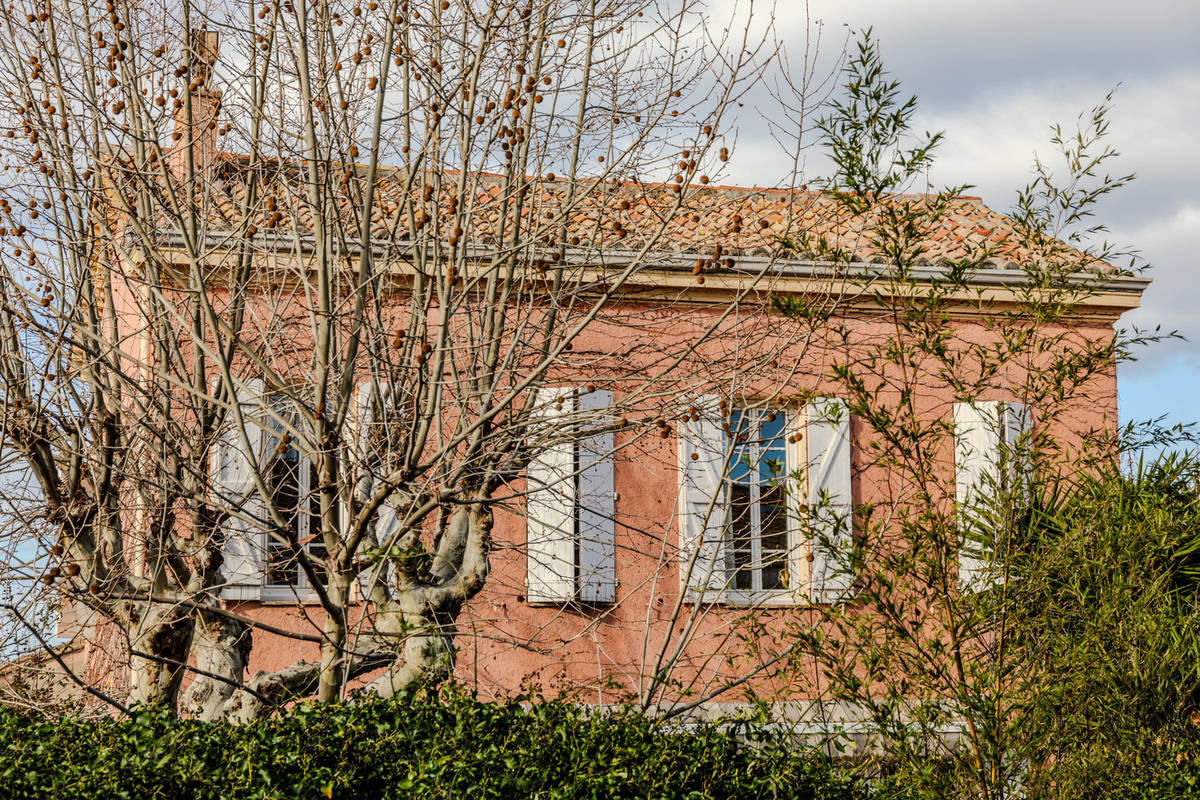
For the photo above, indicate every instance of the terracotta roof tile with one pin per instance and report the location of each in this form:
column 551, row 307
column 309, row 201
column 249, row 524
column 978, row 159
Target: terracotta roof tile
column 741, row 220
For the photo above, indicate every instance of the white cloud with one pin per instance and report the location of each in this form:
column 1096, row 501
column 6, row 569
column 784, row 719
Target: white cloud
column 945, row 45
column 996, row 76
column 1172, row 245
column 990, row 142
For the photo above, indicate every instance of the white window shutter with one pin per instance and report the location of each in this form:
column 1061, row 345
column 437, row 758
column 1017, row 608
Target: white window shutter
column 702, row 500
column 597, row 506
column 977, row 435
column 1018, row 421
column 795, row 433
column 1018, row 428
column 387, row 522
column 233, row 480
column 550, row 511
column 831, row 575
column 362, row 427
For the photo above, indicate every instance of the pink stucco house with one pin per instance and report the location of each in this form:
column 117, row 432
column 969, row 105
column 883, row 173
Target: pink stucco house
column 636, row 549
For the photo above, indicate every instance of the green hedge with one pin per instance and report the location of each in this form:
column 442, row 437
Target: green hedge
column 411, row 748
column 1165, row 769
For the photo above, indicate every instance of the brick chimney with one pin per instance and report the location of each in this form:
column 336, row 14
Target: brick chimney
column 200, row 135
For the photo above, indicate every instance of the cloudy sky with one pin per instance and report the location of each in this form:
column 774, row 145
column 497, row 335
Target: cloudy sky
column 996, row 76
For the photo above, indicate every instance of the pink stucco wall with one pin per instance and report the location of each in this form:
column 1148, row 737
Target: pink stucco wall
column 507, row 646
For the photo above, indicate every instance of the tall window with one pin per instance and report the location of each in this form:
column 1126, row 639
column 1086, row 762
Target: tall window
column 757, row 523
column 291, row 480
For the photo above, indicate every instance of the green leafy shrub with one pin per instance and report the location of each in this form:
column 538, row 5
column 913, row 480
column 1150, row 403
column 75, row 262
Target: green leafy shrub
column 413, row 747
column 1109, row 632
column 1103, row 631
column 1166, row 768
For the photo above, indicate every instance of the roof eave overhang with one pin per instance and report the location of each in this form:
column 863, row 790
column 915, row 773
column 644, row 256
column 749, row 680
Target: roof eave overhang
column 1109, row 294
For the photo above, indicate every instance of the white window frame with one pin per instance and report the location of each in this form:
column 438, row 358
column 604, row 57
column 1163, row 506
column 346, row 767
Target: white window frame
column 300, row 590
column 704, row 452
column 795, row 566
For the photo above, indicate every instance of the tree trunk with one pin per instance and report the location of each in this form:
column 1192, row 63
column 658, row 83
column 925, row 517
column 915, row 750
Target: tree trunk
column 329, row 683
column 423, row 618
column 269, row 690
column 220, row 647
column 162, row 633
column 426, row 659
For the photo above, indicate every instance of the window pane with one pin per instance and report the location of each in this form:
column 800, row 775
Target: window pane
column 316, row 544
column 774, row 520
column 741, row 532
column 317, row 550
column 773, row 458
column 772, row 574
column 285, row 483
column 282, row 569
column 758, row 527
column 283, row 476
column 741, row 437
column 771, row 425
